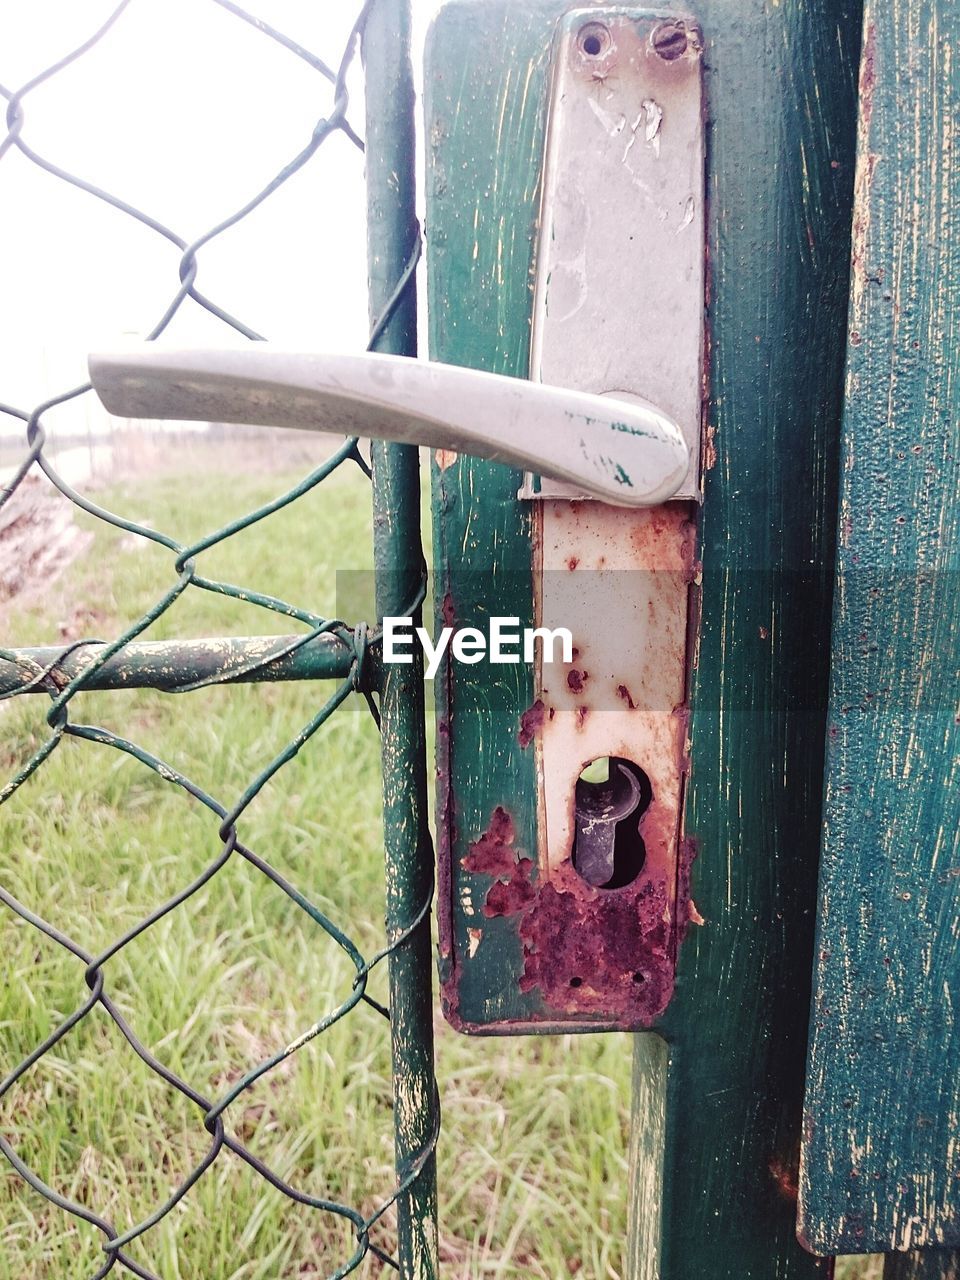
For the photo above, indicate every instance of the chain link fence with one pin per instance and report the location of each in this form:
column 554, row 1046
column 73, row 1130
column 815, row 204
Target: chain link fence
column 324, row 648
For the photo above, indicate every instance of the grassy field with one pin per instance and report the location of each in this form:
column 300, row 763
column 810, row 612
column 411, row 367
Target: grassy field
column 532, row 1163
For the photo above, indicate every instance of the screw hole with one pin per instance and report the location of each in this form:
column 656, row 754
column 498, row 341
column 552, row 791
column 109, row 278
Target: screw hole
column 594, row 40
column 576, row 982
column 639, row 977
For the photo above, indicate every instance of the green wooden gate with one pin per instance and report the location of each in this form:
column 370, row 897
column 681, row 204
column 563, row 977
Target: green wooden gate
column 718, row 1092
column 831, row 403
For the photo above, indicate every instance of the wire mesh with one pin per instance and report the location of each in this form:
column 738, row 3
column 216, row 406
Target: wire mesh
column 62, row 679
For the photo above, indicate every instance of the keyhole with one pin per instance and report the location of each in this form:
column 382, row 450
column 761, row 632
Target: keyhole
column 611, row 796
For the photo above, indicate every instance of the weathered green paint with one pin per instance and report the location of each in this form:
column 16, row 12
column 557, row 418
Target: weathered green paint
column 780, row 83
column 398, row 559
column 484, row 128
column 881, row 1167
column 176, row 664
column 925, row 1264
column 648, row 1130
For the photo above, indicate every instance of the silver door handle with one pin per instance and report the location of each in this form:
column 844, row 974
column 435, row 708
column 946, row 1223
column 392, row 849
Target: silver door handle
column 620, row 451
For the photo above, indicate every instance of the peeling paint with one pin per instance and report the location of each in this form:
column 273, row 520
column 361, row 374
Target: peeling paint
column 624, row 693
column 689, row 210
column 594, row 952
column 866, row 164
column 653, row 119
column 530, row 722
column 576, row 679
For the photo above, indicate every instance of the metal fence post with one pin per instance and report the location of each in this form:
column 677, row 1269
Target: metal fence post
column 398, row 556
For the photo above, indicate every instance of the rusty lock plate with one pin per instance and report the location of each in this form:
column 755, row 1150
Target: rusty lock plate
column 600, row 908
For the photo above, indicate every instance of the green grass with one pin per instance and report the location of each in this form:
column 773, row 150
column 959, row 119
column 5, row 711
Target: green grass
column 859, row 1269
column 532, row 1164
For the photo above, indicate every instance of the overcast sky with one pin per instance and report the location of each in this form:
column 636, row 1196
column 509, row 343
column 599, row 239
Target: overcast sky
column 184, row 111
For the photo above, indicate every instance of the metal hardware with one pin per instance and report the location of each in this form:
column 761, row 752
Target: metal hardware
column 634, row 134
column 608, row 849
column 619, row 304
column 630, row 454
column 542, row 925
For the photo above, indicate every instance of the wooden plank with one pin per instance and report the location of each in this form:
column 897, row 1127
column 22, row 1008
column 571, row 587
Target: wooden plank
column 881, row 1167
column 923, row 1264
column 648, row 1132
column 485, row 115
column 781, row 84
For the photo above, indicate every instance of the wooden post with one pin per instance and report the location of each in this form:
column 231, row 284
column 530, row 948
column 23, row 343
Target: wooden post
column 880, row 1168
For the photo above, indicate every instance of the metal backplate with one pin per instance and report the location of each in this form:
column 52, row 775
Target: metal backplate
column 621, row 582
column 534, row 933
column 619, row 300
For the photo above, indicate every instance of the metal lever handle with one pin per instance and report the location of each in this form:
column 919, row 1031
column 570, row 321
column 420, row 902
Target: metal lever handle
column 624, row 452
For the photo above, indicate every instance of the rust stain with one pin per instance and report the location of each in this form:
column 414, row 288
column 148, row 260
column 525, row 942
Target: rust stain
column 507, row 897
column 531, row 722
column 599, row 951
column 710, row 449
column 447, row 611
column 687, row 913
column 603, row 957
column 494, row 855
column 786, row 1175
column 606, row 954
column 624, row 694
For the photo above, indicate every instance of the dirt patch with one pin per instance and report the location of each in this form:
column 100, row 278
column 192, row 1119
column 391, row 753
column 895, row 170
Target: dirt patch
column 38, row 539
column 39, row 535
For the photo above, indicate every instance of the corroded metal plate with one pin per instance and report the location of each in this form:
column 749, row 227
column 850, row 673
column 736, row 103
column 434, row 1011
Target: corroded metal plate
column 528, row 941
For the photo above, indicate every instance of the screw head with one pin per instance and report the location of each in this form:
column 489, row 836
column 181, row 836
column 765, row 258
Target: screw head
column 670, row 40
